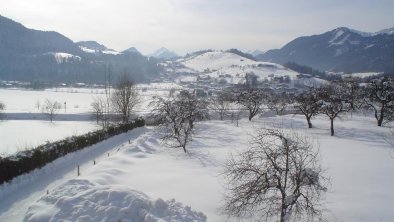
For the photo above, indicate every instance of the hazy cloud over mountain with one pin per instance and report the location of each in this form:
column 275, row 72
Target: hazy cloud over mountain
column 187, row 25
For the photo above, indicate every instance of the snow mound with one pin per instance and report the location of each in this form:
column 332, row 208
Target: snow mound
column 82, row 200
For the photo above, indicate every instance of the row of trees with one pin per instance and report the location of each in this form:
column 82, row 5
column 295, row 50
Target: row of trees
column 49, row 108
column 178, row 114
column 331, row 99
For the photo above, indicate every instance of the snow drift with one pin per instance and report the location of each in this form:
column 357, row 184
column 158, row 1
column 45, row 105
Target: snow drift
column 82, row 200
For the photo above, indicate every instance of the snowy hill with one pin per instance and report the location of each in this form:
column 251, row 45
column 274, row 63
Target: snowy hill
column 233, row 67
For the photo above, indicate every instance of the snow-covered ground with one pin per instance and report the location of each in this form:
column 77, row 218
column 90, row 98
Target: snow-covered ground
column 25, row 101
column 18, row 135
column 25, row 126
column 358, row 160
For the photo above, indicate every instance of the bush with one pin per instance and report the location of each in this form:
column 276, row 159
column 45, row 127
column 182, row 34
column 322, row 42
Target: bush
column 26, row 161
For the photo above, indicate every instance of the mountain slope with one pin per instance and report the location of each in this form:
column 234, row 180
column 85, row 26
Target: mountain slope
column 17, row 39
column 40, row 56
column 341, row 49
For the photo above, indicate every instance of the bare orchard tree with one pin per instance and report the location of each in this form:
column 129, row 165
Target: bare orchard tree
column 50, row 108
column 250, row 98
column 308, row 103
column 278, row 102
column 2, row 107
column 334, row 103
column 380, row 97
column 177, row 116
column 220, row 103
column 98, row 107
column 279, row 176
column 353, row 92
column 125, row 97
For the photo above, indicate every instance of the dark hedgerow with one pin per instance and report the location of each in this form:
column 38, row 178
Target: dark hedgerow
column 26, row 161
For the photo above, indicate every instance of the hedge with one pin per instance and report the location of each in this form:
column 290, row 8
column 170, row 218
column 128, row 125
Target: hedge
column 26, row 161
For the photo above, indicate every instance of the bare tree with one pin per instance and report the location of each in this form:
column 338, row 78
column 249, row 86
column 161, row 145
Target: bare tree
column 125, row 97
column 251, row 99
column 308, row 103
column 380, row 97
column 177, row 117
column 2, row 107
column 334, row 102
column 50, row 108
column 353, row 92
column 279, row 176
column 98, row 107
column 278, row 102
column 220, row 103
column 37, row 104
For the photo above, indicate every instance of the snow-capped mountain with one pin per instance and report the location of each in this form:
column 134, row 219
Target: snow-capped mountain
column 341, row 49
column 164, row 53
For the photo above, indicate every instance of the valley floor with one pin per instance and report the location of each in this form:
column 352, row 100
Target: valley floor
column 359, row 160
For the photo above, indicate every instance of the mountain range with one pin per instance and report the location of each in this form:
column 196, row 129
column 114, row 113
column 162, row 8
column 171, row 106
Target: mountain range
column 47, row 56
column 341, row 49
column 41, row 56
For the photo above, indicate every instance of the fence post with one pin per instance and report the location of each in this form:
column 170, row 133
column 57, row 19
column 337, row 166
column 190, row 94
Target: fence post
column 78, row 171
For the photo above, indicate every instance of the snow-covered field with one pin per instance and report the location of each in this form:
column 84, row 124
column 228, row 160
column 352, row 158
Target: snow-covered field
column 358, row 160
column 77, row 100
column 18, row 135
column 25, row 126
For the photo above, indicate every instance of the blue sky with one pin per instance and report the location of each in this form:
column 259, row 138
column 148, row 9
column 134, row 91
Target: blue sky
column 188, row 25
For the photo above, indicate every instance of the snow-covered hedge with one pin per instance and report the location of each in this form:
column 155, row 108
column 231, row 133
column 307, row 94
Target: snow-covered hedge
column 28, row 160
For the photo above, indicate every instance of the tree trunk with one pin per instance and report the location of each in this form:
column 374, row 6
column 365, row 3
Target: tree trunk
column 308, row 119
column 380, row 119
column 282, row 215
column 332, row 127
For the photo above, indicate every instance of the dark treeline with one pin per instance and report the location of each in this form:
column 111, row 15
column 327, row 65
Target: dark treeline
column 89, row 69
